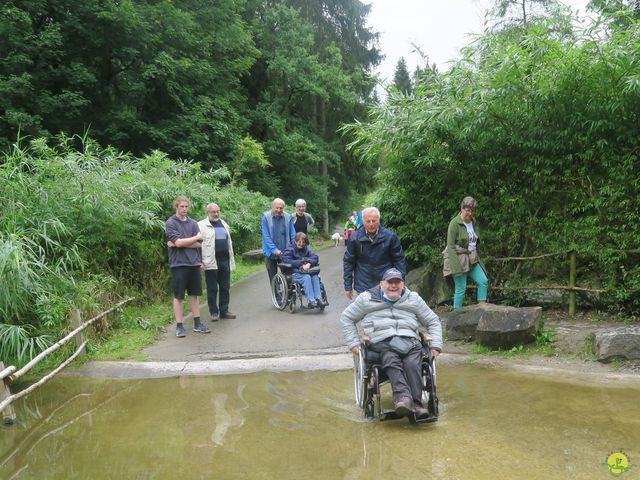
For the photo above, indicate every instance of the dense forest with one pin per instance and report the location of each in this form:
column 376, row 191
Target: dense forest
column 109, row 109
column 257, row 87
column 539, row 120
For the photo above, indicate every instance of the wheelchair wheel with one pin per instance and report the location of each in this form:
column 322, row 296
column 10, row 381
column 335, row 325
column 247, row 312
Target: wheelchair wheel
column 323, row 296
column 430, row 399
column 279, row 291
column 359, row 379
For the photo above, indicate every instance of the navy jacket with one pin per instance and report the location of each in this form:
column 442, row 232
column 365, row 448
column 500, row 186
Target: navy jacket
column 296, row 257
column 365, row 260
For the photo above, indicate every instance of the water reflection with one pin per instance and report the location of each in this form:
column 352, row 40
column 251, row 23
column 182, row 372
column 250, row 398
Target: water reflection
column 304, row 425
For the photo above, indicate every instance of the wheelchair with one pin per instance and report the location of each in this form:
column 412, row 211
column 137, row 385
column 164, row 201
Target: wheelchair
column 286, row 293
column 369, row 377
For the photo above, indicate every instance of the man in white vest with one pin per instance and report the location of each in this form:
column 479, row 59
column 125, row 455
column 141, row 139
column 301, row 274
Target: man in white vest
column 217, row 262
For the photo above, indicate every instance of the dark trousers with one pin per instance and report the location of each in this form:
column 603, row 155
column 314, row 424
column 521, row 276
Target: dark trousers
column 272, row 267
column 404, row 372
column 218, row 281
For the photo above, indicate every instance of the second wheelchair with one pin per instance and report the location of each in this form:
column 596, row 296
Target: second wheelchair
column 287, row 293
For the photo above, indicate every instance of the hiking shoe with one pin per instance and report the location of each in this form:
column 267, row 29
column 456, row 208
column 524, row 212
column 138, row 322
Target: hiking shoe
column 180, row 331
column 201, row 328
column 215, row 317
column 227, row 315
column 404, row 407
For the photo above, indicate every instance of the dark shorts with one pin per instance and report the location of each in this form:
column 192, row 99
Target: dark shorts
column 186, row 279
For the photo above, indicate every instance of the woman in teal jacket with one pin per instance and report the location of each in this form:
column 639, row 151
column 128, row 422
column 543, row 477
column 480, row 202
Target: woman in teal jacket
column 461, row 257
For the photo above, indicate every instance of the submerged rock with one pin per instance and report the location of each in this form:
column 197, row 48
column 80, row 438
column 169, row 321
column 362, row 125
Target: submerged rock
column 493, row 326
column 619, row 343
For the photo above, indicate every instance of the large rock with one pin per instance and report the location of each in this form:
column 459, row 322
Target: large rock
column 430, row 284
column 619, row 343
column 461, row 324
column 494, row 326
column 254, row 256
column 506, row 327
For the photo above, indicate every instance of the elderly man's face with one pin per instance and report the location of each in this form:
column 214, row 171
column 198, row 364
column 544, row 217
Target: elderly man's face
column 278, row 208
column 300, row 209
column 392, row 288
column 214, row 213
column 371, row 222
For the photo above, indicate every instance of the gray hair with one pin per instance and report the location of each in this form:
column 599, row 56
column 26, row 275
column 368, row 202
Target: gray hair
column 277, row 200
column 371, row 210
column 210, row 206
column 469, row 202
column 301, row 203
column 303, row 236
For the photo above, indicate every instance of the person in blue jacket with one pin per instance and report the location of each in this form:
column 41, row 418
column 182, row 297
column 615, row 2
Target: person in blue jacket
column 277, row 234
column 302, row 260
column 371, row 250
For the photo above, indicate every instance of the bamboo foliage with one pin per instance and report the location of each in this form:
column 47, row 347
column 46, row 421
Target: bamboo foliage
column 84, row 225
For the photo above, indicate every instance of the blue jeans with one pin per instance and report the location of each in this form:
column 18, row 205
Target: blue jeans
column 218, row 281
column 311, row 285
column 477, row 275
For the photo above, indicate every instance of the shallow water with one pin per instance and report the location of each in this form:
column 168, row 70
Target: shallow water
column 304, row 425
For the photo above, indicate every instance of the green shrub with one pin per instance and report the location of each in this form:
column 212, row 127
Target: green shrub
column 82, row 228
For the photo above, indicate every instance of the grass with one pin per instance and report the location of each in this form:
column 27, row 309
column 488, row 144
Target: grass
column 245, row 269
column 586, row 352
column 134, row 329
column 543, row 345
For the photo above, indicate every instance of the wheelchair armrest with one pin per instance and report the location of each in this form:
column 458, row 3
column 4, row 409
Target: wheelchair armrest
column 285, row 265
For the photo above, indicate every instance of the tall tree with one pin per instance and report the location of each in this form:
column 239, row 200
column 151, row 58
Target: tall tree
column 140, row 75
column 521, row 12
column 401, row 77
column 313, row 76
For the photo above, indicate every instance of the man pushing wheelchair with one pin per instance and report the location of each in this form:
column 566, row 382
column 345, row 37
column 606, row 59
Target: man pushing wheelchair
column 394, row 320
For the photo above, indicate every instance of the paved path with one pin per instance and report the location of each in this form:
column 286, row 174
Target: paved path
column 260, row 329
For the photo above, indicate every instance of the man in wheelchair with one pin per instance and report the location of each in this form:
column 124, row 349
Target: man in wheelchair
column 392, row 317
column 303, row 261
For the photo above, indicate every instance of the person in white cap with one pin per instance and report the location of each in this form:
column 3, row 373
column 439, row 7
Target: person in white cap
column 394, row 319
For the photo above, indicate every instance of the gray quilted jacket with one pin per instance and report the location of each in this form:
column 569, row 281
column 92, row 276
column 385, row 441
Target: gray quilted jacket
column 381, row 319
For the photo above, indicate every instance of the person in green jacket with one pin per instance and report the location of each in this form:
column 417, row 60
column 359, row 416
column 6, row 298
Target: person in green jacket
column 461, row 258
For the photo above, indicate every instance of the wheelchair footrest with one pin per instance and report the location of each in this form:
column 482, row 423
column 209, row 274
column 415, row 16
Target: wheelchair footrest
column 429, row 419
column 391, row 415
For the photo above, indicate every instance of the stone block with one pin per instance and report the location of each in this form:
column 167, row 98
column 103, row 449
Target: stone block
column 621, row 343
column 461, row 324
column 430, row 284
column 253, row 256
column 506, row 327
